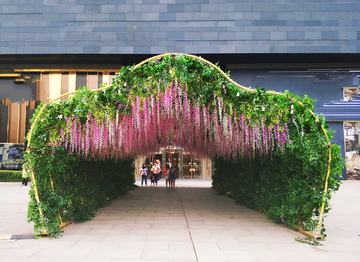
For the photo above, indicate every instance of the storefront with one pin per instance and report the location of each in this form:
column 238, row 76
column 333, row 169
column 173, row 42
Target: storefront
column 189, row 165
column 352, row 147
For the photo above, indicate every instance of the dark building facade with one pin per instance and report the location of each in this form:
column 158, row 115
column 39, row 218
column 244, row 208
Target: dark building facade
column 50, row 47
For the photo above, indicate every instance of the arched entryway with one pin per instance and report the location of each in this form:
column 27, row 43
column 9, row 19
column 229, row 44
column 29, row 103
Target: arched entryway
column 81, row 150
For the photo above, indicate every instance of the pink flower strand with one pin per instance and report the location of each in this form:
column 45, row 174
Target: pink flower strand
column 170, row 118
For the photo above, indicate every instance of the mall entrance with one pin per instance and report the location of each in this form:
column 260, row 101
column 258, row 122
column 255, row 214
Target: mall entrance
column 189, row 165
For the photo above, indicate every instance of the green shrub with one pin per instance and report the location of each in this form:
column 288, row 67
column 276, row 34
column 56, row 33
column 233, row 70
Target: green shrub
column 287, row 186
column 74, row 188
column 10, row 176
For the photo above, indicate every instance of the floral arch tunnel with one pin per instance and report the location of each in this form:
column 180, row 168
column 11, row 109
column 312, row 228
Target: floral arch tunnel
column 270, row 151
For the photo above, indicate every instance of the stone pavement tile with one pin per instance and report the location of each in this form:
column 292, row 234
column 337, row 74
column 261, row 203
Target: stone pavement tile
column 206, row 213
column 240, row 227
column 266, row 233
column 82, row 260
column 275, row 227
column 142, row 260
column 290, row 247
column 274, row 231
column 341, row 247
column 177, row 232
column 175, row 260
column 15, row 244
column 170, row 218
column 200, row 232
column 48, row 243
column 283, row 256
column 216, row 232
column 20, row 253
column 207, row 260
column 17, row 259
column 132, row 226
column 120, row 221
column 207, row 227
column 95, row 245
column 82, row 237
column 124, row 238
column 178, row 221
column 243, row 246
column 131, row 254
column 106, row 213
column 250, row 222
column 209, row 255
column 168, row 254
column 179, row 215
column 13, row 209
column 106, row 231
column 181, row 246
column 184, row 227
column 59, row 253
column 220, row 222
column 266, row 239
column 208, row 246
column 152, row 222
column 93, row 225
column 214, row 239
column 152, row 245
column 73, row 229
column 351, row 237
column 170, row 238
column 149, row 232
column 195, row 222
column 195, row 217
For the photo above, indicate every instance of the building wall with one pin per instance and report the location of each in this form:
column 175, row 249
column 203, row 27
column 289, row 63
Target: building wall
column 14, row 119
column 190, row 26
column 18, row 101
column 33, row 32
column 53, row 85
column 322, row 87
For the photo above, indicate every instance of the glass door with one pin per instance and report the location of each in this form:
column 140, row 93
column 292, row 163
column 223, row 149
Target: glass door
column 173, row 156
column 191, row 167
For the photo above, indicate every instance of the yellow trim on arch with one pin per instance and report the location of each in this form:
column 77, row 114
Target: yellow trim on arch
column 317, row 233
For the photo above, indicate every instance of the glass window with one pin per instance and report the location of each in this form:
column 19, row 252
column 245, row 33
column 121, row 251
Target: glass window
column 191, row 167
column 352, row 148
column 349, row 93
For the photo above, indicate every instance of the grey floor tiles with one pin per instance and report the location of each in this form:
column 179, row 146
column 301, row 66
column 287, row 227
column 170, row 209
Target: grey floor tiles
column 191, row 223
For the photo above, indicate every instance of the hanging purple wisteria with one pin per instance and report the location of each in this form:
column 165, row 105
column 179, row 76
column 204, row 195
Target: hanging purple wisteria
column 171, row 118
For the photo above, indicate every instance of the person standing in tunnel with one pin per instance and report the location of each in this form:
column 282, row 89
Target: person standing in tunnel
column 166, row 174
column 156, row 170
column 173, row 174
column 143, row 173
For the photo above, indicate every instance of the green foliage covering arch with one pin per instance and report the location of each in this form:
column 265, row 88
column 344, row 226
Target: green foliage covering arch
column 270, row 151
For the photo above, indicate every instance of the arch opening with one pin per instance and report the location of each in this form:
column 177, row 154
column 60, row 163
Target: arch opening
column 80, row 150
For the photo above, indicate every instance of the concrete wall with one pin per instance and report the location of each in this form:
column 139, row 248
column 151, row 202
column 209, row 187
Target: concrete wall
column 190, row 26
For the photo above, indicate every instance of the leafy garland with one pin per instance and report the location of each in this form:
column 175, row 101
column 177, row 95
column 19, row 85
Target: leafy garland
column 181, row 101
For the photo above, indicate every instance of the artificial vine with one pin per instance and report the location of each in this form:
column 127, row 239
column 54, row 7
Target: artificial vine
column 269, row 153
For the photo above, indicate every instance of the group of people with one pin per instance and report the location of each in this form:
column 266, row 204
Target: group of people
column 170, row 174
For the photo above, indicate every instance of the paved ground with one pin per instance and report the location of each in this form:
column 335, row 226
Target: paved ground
column 191, row 223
